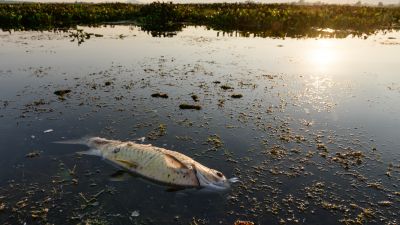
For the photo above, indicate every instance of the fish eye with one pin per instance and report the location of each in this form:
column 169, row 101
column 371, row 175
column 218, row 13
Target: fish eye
column 219, row 174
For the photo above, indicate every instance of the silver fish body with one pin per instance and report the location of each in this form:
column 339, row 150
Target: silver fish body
column 157, row 164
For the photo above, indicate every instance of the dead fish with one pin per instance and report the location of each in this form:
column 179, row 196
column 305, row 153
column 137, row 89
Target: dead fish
column 156, row 164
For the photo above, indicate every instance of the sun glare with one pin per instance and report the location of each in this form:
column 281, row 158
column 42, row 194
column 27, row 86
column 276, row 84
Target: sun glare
column 323, row 55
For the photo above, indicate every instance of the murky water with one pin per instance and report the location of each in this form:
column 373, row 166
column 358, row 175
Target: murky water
column 313, row 139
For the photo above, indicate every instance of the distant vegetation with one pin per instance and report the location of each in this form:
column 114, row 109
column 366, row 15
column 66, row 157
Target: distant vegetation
column 273, row 20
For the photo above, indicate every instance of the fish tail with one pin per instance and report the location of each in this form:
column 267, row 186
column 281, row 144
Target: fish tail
column 94, row 152
column 80, row 141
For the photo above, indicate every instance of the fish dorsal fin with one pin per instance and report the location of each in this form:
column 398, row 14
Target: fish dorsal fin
column 126, row 163
column 173, row 162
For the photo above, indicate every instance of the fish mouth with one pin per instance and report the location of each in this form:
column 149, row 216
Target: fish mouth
column 233, row 180
column 204, row 182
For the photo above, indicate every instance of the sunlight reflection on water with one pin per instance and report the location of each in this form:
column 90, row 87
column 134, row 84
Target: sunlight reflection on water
column 323, row 56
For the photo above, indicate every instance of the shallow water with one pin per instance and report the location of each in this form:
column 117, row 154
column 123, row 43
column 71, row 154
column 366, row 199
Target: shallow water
column 313, row 139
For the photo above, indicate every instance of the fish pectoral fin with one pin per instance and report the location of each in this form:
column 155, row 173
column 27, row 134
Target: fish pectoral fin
column 173, row 162
column 127, row 164
column 120, row 175
column 195, row 175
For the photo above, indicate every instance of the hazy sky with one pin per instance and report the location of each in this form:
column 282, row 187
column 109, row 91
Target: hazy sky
column 210, row 1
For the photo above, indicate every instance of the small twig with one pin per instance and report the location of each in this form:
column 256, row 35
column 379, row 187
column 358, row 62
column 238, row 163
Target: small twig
column 81, row 194
column 72, row 172
column 98, row 194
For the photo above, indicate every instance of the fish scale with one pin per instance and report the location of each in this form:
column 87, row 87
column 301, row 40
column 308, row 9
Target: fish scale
column 146, row 160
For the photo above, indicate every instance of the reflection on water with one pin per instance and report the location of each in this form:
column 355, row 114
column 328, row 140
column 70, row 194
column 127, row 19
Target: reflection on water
column 323, row 56
column 313, row 137
column 320, row 92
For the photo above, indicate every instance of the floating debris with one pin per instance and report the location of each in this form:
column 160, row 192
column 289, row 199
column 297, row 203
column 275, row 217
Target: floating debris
column 161, row 130
column 142, row 139
column 375, row 185
column 242, row 222
column 195, row 98
column 94, row 221
column 62, row 92
column 35, row 214
column 226, row 87
column 277, row 152
column 330, row 206
column 322, row 147
column 187, row 106
column 33, row 154
column 39, row 102
column 271, row 77
column 236, row 96
column 74, row 181
column 385, row 203
column 221, row 102
column 159, row 95
column 215, row 140
column 2, row 206
column 48, row 131
column 135, row 213
column 348, row 158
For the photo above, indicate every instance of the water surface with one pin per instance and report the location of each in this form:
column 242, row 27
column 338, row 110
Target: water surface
column 314, row 137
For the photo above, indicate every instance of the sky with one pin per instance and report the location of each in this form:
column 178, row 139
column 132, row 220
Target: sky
column 372, row 2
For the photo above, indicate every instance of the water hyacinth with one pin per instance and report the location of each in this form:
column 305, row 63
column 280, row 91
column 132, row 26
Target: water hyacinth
column 265, row 20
